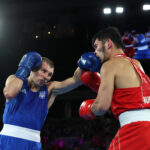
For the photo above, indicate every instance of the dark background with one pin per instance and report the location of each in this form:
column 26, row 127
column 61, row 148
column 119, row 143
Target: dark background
column 72, row 24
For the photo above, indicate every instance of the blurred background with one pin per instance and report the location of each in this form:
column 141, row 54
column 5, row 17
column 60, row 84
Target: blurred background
column 62, row 30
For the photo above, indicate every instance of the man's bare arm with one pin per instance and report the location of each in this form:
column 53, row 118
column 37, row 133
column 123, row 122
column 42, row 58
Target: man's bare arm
column 56, row 88
column 12, row 87
column 68, row 84
column 103, row 100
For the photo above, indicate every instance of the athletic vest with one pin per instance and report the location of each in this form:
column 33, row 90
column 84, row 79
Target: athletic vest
column 125, row 99
column 28, row 109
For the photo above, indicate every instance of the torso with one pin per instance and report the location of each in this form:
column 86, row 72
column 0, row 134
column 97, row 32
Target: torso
column 126, row 76
column 132, row 87
column 28, row 109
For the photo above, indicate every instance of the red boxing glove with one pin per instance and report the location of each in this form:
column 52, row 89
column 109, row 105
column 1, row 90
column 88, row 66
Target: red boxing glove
column 85, row 110
column 91, row 79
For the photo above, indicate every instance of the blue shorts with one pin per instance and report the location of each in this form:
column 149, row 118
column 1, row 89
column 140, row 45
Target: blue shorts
column 13, row 143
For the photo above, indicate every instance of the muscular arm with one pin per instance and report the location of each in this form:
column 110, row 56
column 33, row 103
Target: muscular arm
column 56, row 88
column 138, row 64
column 103, row 100
column 12, row 87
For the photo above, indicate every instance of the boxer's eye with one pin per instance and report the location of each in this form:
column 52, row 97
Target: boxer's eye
column 50, row 74
column 43, row 70
column 95, row 46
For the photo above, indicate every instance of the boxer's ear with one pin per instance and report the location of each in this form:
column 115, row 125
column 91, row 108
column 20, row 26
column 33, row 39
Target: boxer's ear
column 109, row 43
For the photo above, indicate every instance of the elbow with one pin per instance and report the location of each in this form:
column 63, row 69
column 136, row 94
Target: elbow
column 8, row 94
column 98, row 110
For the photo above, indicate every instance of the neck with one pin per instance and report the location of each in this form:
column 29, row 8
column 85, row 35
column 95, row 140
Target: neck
column 115, row 52
column 32, row 85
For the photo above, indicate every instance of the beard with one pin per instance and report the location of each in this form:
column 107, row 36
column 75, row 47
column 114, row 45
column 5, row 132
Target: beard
column 104, row 53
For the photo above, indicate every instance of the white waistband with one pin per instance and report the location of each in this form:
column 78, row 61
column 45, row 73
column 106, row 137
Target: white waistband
column 131, row 45
column 142, row 47
column 134, row 116
column 21, row 132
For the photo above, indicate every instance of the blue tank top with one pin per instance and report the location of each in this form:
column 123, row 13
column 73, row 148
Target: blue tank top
column 28, row 109
column 142, row 43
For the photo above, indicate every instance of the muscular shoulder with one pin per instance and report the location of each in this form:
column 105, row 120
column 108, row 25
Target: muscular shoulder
column 107, row 69
column 138, row 64
column 115, row 65
column 52, row 86
column 111, row 65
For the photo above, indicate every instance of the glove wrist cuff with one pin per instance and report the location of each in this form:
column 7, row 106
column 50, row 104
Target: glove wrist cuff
column 90, row 112
column 22, row 73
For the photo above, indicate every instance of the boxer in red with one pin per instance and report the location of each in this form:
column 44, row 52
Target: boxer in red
column 125, row 88
column 128, row 44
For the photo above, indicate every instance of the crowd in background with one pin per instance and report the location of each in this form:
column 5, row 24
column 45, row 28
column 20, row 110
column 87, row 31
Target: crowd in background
column 79, row 134
column 136, row 44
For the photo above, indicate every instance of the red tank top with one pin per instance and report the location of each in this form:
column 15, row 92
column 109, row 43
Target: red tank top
column 125, row 99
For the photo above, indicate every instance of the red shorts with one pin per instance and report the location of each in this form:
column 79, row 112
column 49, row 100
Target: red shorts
column 133, row 136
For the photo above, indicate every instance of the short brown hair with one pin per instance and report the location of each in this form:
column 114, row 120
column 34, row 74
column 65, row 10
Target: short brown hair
column 109, row 32
column 48, row 61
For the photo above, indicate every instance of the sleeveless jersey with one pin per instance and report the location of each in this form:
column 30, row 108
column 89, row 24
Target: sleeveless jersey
column 28, row 109
column 142, row 43
column 125, row 99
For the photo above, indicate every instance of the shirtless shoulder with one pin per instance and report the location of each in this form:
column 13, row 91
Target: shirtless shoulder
column 52, row 86
column 111, row 65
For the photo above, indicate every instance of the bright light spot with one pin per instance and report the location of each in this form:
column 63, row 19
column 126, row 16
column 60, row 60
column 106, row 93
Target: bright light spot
column 119, row 9
column 36, row 36
column 146, row 7
column 49, row 32
column 107, row 10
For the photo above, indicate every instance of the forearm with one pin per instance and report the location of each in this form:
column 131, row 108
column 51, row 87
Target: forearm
column 96, row 110
column 12, row 88
column 73, row 82
column 71, row 87
column 68, row 84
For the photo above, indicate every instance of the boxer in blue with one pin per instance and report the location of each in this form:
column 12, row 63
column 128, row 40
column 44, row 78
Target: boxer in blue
column 29, row 95
column 143, row 51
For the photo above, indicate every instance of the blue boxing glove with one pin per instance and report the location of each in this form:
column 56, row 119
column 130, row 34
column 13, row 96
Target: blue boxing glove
column 89, row 61
column 31, row 60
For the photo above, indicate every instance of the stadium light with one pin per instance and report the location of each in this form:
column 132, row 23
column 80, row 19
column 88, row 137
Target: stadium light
column 107, row 10
column 119, row 10
column 36, row 36
column 146, row 7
